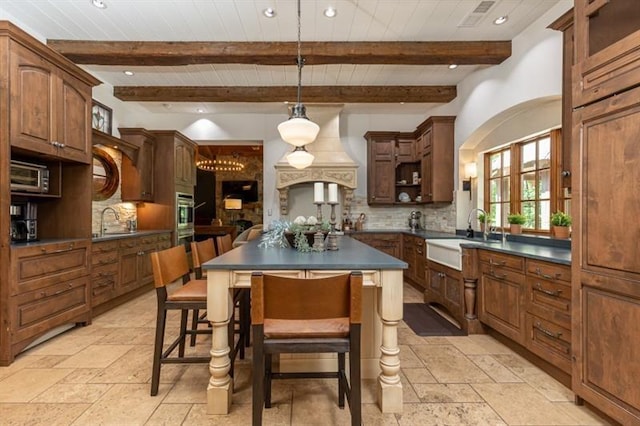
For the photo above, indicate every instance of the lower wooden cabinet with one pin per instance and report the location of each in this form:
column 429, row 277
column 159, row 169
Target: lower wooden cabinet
column 413, row 253
column 49, row 287
column 445, row 287
column 122, row 266
column 528, row 301
column 386, row 242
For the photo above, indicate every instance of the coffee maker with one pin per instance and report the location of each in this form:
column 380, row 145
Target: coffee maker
column 23, row 222
column 414, row 220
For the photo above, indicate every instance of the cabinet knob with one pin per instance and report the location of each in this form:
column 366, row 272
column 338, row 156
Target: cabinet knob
column 566, row 173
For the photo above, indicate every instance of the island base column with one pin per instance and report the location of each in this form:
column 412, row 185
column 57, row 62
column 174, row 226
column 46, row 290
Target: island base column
column 390, row 311
column 219, row 308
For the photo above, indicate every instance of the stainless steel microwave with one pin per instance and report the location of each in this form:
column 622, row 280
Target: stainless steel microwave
column 29, row 177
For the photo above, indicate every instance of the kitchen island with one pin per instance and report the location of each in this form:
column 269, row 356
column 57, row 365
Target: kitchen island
column 382, row 310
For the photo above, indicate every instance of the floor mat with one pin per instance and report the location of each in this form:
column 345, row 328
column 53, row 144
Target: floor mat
column 424, row 321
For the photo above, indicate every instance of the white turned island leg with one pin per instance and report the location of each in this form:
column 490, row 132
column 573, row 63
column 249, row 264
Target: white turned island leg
column 220, row 388
column 390, row 311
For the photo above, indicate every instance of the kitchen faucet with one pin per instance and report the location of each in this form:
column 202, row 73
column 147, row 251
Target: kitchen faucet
column 485, row 234
column 115, row 213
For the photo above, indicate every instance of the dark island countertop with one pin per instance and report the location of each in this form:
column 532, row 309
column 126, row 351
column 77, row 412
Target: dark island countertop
column 352, row 255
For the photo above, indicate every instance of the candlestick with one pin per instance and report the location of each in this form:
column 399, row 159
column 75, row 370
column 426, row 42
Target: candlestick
column 332, row 239
column 318, row 193
column 333, row 193
column 318, row 237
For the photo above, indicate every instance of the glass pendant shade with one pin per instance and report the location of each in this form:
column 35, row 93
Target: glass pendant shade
column 300, row 158
column 298, row 131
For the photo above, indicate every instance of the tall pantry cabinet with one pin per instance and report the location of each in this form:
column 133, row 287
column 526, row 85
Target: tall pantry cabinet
column 45, row 107
column 606, row 233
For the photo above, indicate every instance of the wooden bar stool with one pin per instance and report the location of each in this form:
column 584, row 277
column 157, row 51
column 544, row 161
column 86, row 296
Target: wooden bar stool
column 296, row 315
column 168, row 266
column 201, row 251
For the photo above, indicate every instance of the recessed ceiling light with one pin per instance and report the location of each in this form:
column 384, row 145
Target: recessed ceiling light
column 129, row 73
column 100, row 4
column 269, row 12
column 453, row 66
column 199, row 110
column 330, row 12
column 167, row 106
column 501, row 20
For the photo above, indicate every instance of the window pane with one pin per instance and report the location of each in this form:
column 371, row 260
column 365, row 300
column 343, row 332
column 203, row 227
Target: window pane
column 528, row 186
column 529, row 212
column 494, row 190
column 495, row 165
column 506, row 163
column 493, row 213
column 506, row 189
column 544, row 184
column 544, row 215
column 528, row 157
column 544, row 153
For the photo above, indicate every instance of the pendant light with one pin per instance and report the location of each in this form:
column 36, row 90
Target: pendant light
column 298, row 130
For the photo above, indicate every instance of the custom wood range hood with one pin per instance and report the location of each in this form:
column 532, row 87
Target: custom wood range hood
column 331, row 164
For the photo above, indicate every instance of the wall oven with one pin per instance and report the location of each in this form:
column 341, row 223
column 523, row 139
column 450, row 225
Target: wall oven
column 184, row 219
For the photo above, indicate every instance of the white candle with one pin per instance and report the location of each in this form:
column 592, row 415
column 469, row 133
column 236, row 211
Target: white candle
column 333, row 192
column 318, row 192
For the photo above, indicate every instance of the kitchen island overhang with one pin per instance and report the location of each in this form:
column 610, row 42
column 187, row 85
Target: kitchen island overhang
column 382, row 311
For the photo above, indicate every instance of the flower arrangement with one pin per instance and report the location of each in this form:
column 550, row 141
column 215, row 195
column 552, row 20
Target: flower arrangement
column 298, row 234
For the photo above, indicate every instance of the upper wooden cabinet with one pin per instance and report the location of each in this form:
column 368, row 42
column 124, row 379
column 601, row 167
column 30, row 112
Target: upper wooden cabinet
column 50, row 108
column 185, row 161
column 137, row 172
column 436, row 137
column 381, row 167
column 607, row 40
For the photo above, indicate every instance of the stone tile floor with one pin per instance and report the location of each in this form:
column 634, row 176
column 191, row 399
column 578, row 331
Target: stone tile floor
column 100, row 375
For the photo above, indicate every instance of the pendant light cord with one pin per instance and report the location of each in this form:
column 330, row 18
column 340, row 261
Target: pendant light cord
column 300, row 62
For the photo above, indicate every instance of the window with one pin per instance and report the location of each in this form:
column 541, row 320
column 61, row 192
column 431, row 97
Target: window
column 520, row 179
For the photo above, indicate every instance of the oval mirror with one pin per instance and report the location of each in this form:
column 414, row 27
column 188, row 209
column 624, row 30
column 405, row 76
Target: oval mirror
column 106, row 176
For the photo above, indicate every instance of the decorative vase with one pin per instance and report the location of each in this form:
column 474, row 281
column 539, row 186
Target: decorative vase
column 515, row 228
column 560, row 231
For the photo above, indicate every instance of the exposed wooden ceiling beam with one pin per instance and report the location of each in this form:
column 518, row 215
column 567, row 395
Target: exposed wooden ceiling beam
column 310, row 94
column 165, row 53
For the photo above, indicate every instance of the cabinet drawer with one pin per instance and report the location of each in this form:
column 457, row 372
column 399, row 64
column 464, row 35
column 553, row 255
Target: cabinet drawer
column 164, row 244
column 41, row 266
column 151, row 239
column 104, row 281
column 103, row 247
column 501, row 273
column 500, row 260
column 164, row 237
column 550, row 341
column 128, row 243
column 44, row 309
column 106, row 258
column 548, row 271
column 551, row 300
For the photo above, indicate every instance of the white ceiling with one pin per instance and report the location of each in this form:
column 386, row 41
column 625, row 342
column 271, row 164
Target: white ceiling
column 242, row 20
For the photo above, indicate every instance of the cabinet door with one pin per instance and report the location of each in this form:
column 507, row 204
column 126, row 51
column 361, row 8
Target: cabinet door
column 381, row 172
column 73, row 123
column 137, row 177
column 427, row 167
column 607, row 40
column 184, row 164
column 500, row 302
column 32, row 100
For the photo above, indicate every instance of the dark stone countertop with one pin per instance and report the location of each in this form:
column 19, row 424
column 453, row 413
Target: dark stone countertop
column 118, row 235
column 352, row 255
column 541, row 248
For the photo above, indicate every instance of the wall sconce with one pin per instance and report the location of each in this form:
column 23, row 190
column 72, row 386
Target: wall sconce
column 471, row 172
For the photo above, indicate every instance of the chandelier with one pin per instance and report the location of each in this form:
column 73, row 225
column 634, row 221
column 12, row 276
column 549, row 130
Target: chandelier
column 220, row 165
column 298, row 130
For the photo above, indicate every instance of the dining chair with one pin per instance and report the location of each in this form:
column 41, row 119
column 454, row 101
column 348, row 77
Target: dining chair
column 168, row 266
column 298, row 315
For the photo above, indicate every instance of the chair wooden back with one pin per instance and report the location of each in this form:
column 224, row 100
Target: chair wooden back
column 275, row 297
column 202, row 251
column 169, row 265
column 224, row 243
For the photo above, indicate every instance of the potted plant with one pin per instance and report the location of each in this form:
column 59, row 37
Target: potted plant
column 560, row 222
column 516, row 220
column 481, row 219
